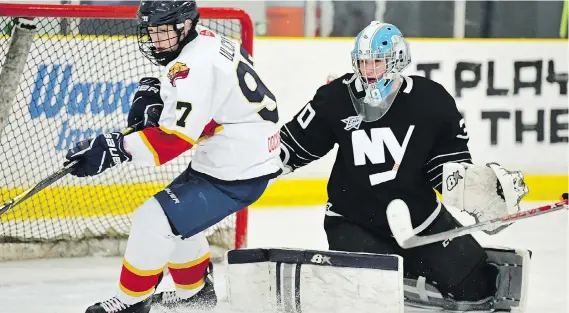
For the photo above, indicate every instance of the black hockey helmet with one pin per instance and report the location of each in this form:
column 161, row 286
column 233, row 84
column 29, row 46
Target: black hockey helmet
column 172, row 12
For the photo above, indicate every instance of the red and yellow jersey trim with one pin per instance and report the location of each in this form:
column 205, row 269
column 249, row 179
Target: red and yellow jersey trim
column 165, row 144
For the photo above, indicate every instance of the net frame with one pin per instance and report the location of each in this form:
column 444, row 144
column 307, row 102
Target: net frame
column 123, row 12
column 14, row 251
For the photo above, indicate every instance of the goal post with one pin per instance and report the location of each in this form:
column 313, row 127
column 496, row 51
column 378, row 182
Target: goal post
column 19, row 47
column 76, row 80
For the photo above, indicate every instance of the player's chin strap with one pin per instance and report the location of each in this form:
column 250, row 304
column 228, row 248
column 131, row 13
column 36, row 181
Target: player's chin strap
column 485, row 192
column 511, row 286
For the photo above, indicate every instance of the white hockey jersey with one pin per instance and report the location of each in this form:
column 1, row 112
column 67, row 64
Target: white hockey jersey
column 213, row 98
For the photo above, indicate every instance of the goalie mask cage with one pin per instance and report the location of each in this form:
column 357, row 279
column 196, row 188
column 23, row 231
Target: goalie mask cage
column 70, row 78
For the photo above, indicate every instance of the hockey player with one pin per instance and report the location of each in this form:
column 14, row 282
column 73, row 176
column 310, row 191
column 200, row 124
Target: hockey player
column 208, row 86
column 395, row 135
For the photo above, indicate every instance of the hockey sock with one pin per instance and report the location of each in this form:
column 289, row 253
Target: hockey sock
column 149, row 246
column 188, row 263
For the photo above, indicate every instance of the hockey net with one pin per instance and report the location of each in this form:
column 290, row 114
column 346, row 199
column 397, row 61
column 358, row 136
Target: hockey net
column 77, row 80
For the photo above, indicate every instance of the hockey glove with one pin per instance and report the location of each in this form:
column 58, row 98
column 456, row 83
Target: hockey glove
column 147, row 104
column 98, row 154
column 484, row 192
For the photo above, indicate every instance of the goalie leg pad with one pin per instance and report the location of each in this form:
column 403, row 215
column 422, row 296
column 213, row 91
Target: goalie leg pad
column 420, row 294
column 512, row 282
column 289, row 281
column 511, row 286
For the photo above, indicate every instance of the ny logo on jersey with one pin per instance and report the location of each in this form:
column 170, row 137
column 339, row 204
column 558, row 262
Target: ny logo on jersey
column 374, row 150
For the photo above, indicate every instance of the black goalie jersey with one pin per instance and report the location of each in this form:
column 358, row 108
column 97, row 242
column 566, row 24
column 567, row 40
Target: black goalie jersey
column 398, row 156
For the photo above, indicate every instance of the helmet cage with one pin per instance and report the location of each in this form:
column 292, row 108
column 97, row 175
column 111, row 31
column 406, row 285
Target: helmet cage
column 157, row 13
column 148, row 49
column 383, row 85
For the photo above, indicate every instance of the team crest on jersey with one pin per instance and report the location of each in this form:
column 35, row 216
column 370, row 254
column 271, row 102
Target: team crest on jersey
column 207, row 32
column 352, row 122
column 178, row 71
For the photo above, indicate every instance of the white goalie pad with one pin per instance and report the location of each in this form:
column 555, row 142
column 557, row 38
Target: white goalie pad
column 294, row 281
column 483, row 191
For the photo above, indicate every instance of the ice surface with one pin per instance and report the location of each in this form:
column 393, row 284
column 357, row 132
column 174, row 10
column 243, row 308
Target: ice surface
column 71, row 285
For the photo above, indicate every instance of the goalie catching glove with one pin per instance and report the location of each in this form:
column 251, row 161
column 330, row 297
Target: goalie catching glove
column 485, row 192
column 97, row 155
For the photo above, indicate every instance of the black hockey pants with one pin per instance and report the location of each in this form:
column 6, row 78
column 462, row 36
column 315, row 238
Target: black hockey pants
column 457, row 268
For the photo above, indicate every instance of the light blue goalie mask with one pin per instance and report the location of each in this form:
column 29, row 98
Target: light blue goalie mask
column 379, row 56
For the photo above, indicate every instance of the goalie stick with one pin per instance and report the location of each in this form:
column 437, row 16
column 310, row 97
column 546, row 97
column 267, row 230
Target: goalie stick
column 48, row 181
column 399, row 220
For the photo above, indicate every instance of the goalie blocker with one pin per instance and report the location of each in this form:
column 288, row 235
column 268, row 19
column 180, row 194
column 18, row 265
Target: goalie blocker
column 294, row 281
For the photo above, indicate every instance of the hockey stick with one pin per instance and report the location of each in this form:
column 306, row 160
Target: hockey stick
column 399, row 220
column 48, row 181
column 37, row 188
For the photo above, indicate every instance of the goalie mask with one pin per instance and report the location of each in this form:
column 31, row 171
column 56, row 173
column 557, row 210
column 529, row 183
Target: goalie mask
column 379, row 56
column 155, row 18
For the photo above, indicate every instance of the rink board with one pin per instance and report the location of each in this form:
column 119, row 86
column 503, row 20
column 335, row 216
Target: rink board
column 110, row 199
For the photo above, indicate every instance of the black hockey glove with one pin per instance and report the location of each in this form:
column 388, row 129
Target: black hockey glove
column 98, row 154
column 146, row 105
